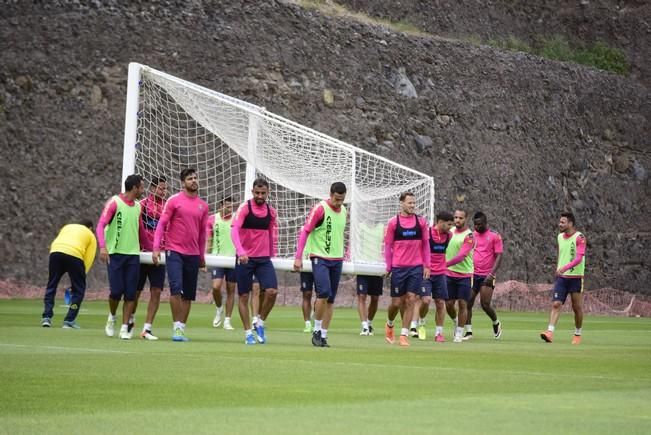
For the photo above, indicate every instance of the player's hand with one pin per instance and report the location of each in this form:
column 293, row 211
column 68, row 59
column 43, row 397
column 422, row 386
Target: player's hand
column 426, row 273
column 387, row 274
column 559, row 272
column 155, row 257
column 103, row 255
column 298, row 265
column 490, row 280
column 243, row 259
column 202, row 264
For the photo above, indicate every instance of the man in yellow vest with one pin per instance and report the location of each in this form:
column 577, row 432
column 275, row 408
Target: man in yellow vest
column 569, row 277
column 72, row 252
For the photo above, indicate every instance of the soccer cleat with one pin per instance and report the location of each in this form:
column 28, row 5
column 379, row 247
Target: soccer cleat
column 324, row 342
column 109, row 329
column 548, row 336
column 404, row 341
column 147, row 335
column 413, row 332
column 457, row 339
column 217, row 321
column 422, row 332
column 259, row 331
column 46, row 322
column 227, row 325
column 364, row 332
column 467, row 336
column 307, row 329
column 388, row 334
column 439, row 338
column 67, row 324
column 316, row 338
column 497, row 330
column 250, row 340
column 370, row 330
column 179, row 335
column 125, row 334
column 576, row 339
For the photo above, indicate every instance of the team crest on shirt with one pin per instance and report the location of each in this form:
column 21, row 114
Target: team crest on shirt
column 201, row 207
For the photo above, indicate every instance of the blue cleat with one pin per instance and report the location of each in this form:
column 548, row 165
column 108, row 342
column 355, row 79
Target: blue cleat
column 70, row 325
column 259, row 330
column 179, row 335
column 249, row 339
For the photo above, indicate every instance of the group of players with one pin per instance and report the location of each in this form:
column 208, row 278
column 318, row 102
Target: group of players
column 446, row 262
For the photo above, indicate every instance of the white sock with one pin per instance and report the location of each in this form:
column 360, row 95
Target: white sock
column 227, row 320
column 421, row 322
column 249, row 332
column 178, row 325
column 456, row 321
column 307, row 324
column 413, row 324
column 365, row 324
column 324, row 333
column 260, row 322
column 390, row 323
column 317, row 325
column 458, row 332
column 468, row 327
column 124, row 327
column 112, row 317
column 182, row 325
column 255, row 319
column 577, row 331
column 404, row 331
column 370, row 322
column 439, row 330
column 550, row 328
column 496, row 322
column 132, row 319
column 146, row 327
column 219, row 309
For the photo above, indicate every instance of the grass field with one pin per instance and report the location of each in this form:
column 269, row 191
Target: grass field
column 79, row 381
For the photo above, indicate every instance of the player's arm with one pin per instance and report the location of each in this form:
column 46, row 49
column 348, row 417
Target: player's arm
column 166, row 216
column 105, row 218
column 202, row 238
column 209, row 231
column 316, row 214
column 498, row 248
column 273, row 237
column 388, row 244
column 238, row 220
column 425, row 248
column 91, row 252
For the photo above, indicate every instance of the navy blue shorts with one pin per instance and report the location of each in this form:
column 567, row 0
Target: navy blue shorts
column 182, row 273
column 405, row 279
column 479, row 281
column 155, row 274
column 262, row 268
column 123, row 274
column 436, row 286
column 563, row 286
column 370, row 285
column 220, row 272
column 327, row 274
column 307, row 281
column 459, row 288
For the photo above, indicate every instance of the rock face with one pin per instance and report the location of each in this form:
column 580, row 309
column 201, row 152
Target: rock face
column 518, row 137
column 621, row 24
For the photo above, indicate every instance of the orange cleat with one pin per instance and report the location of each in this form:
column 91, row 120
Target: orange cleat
column 548, row 336
column 576, row 339
column 388, row 334
column 404, row 341
column 439, row 338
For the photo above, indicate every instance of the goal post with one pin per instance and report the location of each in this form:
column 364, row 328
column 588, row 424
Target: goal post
column 172, row 124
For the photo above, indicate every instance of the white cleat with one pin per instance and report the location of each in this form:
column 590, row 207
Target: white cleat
column 125, row 335
column 364, row 332
column 147, row 335
column 457, row 339
column 228, row 326
column 109, row 329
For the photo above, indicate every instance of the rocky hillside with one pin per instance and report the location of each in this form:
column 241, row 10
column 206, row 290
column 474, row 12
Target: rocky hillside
column 621, row 24
column 514, row 135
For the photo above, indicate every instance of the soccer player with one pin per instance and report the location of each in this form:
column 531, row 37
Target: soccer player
column 119, row 246
column 323, row 233
column 220, row 243
column 152, row 208
column 255, row 233
column 72, row 252
column 183, row 226
column 369, row 287
column 569, row 277
column 486, row 257
column 407, row 258
column 436, row 286
column 458, row 261
column 307, row 287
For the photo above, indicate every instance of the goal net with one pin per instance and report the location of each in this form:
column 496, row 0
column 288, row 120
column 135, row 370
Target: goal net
column 172, row 124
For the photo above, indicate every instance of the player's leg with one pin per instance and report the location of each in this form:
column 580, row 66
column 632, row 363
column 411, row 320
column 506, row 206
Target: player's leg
column 577, row 306
column 131, row 272
column 477, row 282
column 362, row 310
column 56, row 269
column 334, row 271
column 307, row 284
column 244, row 274
column 230, row 298
column 217, row 279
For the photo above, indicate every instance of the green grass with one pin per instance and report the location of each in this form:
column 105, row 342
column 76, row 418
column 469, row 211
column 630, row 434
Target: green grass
column 65, row 381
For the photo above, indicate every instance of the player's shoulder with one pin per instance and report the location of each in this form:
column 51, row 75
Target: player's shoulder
column 495, row 234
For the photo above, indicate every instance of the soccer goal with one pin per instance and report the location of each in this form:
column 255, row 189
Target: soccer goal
column 172, row 124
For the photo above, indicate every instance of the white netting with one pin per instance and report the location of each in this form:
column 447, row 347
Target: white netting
column 230, row 142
